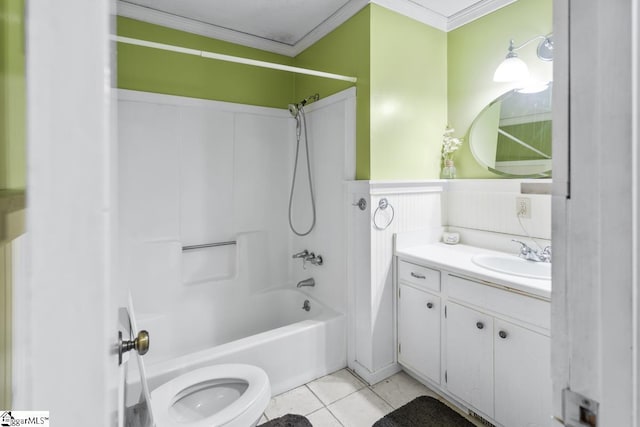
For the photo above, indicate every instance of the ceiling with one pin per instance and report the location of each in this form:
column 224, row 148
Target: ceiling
column 290, row 26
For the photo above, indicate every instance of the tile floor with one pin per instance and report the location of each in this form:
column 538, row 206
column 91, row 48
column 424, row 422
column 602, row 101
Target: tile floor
column 341, row 399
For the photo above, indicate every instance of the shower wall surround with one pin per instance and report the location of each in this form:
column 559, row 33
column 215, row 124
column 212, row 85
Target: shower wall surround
column 198, row 171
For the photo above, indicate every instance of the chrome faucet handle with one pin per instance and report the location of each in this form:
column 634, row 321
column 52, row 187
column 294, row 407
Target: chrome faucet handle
column 303, row 254
column 524, row 248
column 310, row 256
column 545, row 254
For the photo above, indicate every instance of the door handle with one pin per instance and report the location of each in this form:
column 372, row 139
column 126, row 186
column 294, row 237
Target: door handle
column 139, row 343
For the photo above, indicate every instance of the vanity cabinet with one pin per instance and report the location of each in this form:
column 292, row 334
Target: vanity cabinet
column 419, row 331
column 469, row 368
column 522, row 376
column 486, row 346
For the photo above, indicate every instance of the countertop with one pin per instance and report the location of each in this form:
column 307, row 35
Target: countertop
column 457, row 259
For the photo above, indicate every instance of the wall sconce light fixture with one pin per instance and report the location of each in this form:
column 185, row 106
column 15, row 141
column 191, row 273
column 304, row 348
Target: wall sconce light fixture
column 514, row 69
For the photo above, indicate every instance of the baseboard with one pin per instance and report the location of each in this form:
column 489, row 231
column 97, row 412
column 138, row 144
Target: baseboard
column 374, row 377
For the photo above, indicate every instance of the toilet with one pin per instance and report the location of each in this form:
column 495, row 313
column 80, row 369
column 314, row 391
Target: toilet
column 226, row 395
column 232, row 395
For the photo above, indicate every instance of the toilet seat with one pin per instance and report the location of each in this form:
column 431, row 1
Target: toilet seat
column 243, row 411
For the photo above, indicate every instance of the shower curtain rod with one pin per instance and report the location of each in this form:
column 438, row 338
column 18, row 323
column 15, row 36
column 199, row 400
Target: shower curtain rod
column 236, row 59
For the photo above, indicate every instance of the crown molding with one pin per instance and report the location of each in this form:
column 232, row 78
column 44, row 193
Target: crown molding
column 341, row 16
column 476, row 11
column 153, row 16
column 404, row 7
column 415, row 11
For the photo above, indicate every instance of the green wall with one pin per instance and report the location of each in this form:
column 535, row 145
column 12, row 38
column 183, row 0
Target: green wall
column 153, row 70
column 346, row 51
column 12, row 95
column 474, row 52
column 408, row 96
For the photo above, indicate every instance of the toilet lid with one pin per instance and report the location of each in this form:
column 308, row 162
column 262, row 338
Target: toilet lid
column 257, row 392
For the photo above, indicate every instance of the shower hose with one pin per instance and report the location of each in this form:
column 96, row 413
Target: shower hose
column 301, row 124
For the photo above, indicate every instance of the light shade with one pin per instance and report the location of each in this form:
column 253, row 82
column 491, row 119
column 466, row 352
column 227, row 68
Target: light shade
column 512, row 69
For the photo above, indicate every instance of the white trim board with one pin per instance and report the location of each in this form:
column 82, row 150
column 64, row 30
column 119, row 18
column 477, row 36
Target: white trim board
column 404, row 7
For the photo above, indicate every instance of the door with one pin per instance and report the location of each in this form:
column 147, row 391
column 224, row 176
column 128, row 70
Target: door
column 469, row 373
column 522, row 376
column 419, row 331
column 596, row 234
column 67, row 301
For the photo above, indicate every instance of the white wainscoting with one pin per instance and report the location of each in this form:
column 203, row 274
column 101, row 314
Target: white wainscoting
column 483, row 211
column 418, row 207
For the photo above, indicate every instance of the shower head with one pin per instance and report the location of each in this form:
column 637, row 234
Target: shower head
column 294, row 108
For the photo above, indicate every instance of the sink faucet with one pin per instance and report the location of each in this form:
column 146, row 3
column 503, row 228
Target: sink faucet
column 530, row 254
column 307, row 282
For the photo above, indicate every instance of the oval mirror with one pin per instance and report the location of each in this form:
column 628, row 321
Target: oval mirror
column 512, row 135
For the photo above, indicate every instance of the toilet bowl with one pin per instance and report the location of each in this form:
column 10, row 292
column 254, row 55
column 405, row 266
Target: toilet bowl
column 232, row 395
column 227, row 395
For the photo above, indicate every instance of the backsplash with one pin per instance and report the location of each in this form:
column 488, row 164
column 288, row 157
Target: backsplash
column 484, row 212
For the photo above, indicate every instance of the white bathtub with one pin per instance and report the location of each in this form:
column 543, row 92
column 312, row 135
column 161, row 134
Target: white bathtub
column 269, row 330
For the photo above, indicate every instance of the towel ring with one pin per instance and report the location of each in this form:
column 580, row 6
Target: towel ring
column 382, row 205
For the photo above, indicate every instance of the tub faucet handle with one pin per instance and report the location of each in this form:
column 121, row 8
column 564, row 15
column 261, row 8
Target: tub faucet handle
column 303, row 254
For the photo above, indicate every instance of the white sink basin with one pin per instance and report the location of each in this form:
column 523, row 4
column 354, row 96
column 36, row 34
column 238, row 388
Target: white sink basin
column 511, row 264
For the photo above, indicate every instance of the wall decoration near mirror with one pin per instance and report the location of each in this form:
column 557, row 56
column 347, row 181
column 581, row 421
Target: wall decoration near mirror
column 512, row 135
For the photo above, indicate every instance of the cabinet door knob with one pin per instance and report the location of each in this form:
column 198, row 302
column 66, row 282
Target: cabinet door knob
column 503, row 334
column 480, row 325
column 417, row 276
column 429, row 305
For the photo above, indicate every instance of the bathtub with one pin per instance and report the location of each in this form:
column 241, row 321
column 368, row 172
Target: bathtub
column 269, row 329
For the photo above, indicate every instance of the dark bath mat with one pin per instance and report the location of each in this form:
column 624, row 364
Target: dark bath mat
column 423, row 411
column 288, row 420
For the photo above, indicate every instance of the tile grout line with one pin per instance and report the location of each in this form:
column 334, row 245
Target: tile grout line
column 324, row 406
column 334, row 416
column 393, row 408
column 316, row 396
column 370, row 387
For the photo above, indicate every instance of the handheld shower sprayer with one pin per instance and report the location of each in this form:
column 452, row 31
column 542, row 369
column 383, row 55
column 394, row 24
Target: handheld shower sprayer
column 297, row 111
column 295, row 108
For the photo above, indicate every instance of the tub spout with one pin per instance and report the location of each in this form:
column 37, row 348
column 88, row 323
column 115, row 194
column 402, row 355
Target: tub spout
column 307, row 282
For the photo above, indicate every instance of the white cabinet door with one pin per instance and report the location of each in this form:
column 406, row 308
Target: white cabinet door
column 470, row 356
column 419, row 331
column 522, row 376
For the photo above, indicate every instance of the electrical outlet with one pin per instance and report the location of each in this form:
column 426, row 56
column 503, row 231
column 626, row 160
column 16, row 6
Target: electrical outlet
column 523, row 207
